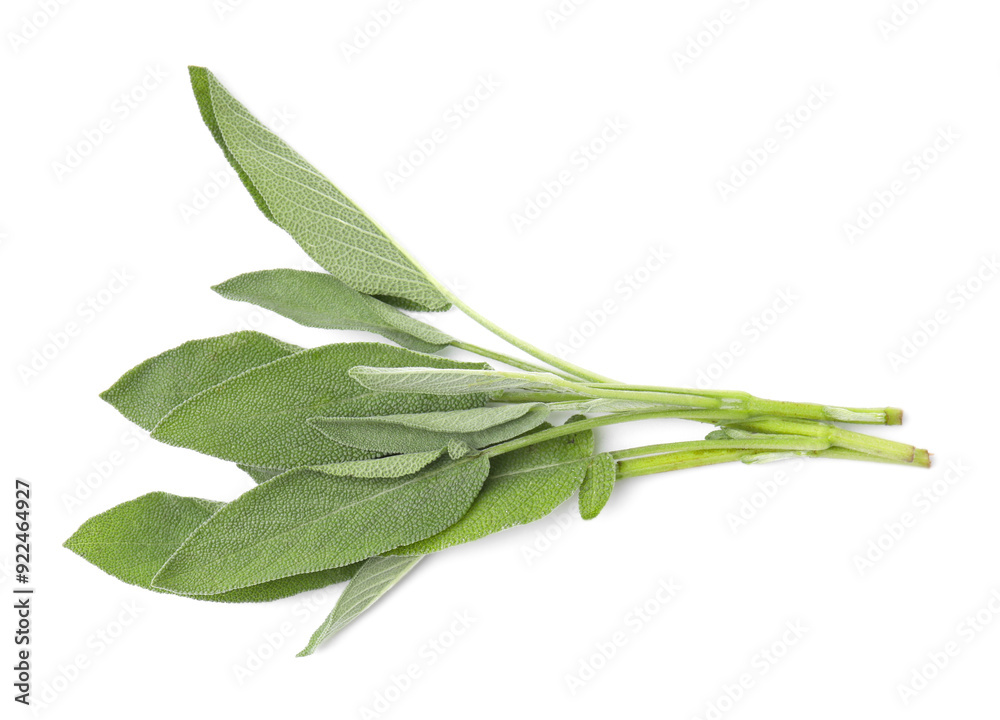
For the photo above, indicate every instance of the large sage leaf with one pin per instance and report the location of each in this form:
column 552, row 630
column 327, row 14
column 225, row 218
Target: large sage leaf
column 413, row 433
column 450, row 381
column 133, row 540
column 523, row 486
column 296, row 197
column 597, row 485
column 154, row 387
column 259, row 418
column 376, row 576
column 322, row 301
column 307, row 521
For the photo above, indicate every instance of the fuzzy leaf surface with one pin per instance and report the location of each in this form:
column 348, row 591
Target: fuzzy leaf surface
column 150, row 390
column 376, row 576
column 434, row 381
column 523, row 486
column 307, row 521
column 597, row 486
column 393, row 466
column 413, row 433
column 259, row 418
column 321, row 300
column 602, row 405
column 300, row 200
column 133, row 540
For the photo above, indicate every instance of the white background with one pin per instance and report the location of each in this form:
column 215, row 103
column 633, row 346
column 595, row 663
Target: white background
column 541, row 608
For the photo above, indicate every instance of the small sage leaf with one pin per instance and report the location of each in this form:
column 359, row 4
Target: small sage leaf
column 393, row 466
column 433, row 381
column 411, row 433
column 597, row 485
column 295, row 196
column 322, row 301
column 376, row 576
column 307, row 521
column 601, row 405
column 133, row 540
column 150, row 390
column 523, row 486
column 259, row 418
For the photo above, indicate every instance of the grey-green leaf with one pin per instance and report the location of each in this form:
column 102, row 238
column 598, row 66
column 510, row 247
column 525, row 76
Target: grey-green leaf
column 523, row 486
column 307, row 521
column 321, row 300
column 296, row 197
column 601, row 405
column 259, row 418
column 597, row 485
column 376, row 576
column 133, row 540
column 393, row 466
column 413, row 433
column 452, row 382
column 147, row 392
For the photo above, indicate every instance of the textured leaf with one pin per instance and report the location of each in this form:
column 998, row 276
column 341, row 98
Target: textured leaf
column 322, row 301
column 412, row 433
column 153, row 388
column 306, row 521
column 376, row 576
column 259, row 418
column 597, row 485
column 450, row 381
column 393, row 466
column 523, row 486
column 296, row 197
column 602, row 405
column 133, row 540
column 259, row 474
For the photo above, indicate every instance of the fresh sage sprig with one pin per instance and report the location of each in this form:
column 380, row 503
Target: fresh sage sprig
column 367, row 457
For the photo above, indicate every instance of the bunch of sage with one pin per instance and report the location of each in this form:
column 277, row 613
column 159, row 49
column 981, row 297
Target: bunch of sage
column 368, row 456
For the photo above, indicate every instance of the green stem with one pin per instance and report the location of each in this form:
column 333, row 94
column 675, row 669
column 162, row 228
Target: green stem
column 828, row 434
column 596, row 390
column 574, row 427
column 652, row 464
column 738, row 402
column 675, row 461
column 760, row 406
column 517, row 342
column 507, row 359
column 763, row 442
column 848, row 439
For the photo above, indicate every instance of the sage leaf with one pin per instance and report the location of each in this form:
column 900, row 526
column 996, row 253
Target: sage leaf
column 376, row 576
column 307, row 521
column 259, row 418
column 523, row 486
column 147, row 392
column 320, row 300
column 595, row 491
column 601, row 405
column 412, row 433
column 434, row 381
column 297, row 198
column 393, row 466
column 133, row 540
